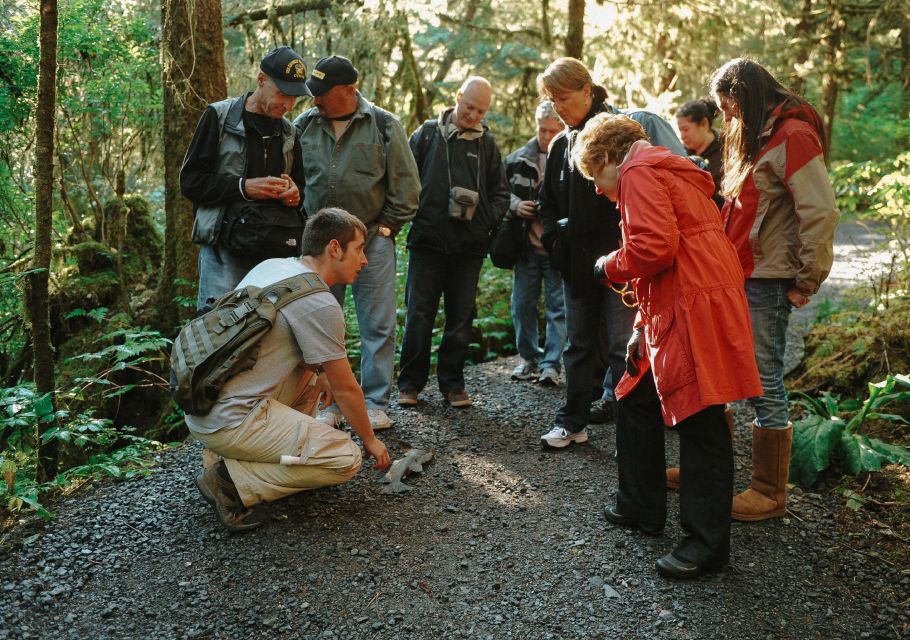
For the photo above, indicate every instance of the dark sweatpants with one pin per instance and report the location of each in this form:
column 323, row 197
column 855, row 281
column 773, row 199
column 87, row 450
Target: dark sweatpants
column 706, row 473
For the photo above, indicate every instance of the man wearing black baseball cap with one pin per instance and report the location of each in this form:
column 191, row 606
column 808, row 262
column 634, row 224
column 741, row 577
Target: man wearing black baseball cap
column 358, row 159
column 245, row 155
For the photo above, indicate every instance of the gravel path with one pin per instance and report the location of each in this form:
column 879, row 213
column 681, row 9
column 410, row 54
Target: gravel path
column 498, row 539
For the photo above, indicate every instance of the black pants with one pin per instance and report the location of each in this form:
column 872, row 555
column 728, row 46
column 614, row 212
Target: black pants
column 706, row 473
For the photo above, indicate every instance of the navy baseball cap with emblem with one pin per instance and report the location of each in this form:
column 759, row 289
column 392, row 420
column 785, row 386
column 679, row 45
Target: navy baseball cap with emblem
column 287, row 69
column 331, row 72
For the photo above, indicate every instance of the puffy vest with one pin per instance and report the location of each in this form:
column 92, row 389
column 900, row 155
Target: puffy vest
column 232, row 162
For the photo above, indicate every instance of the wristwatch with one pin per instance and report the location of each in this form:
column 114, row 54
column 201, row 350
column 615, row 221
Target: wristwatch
column 384, row 231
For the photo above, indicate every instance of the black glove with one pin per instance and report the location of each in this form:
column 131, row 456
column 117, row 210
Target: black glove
column 600, row 269
column 633, row 351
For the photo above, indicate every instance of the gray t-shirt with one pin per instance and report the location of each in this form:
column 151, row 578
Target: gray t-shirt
column 309, row 330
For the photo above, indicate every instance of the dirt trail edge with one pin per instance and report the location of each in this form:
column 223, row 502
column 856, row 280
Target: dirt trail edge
column 497, row 539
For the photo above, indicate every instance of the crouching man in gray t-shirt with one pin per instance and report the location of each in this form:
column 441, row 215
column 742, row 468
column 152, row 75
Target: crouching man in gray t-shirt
column 265, row 414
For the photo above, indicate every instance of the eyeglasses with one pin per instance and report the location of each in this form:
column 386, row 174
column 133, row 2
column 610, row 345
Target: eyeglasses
column 626, row 294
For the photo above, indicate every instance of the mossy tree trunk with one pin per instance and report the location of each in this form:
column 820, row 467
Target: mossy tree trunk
column 192, row 75
column 36, row 290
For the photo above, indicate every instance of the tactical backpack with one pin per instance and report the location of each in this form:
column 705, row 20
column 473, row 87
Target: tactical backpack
column 224, row 341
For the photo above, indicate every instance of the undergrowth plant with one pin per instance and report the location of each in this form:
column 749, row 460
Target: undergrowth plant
column 825, row 432
column 127, row 359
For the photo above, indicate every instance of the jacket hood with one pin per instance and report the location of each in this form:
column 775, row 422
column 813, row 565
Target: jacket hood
column 793, row 109
column 643, row 154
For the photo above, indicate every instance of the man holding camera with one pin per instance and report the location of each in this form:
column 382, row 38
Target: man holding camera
column 463, row 197
column 524, row 169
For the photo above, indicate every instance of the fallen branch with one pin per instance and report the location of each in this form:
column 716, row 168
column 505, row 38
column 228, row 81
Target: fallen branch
column 254, row 15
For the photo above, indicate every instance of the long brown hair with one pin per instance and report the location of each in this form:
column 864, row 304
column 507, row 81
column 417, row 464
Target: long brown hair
column 756, row 93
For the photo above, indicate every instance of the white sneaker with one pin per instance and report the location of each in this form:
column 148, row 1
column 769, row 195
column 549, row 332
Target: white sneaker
column 331, row 418
column 379, row 419
column 558, row 437
column 524, row 370
column 549, row 377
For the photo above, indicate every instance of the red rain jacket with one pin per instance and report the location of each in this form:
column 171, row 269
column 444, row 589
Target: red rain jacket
column 689, row 284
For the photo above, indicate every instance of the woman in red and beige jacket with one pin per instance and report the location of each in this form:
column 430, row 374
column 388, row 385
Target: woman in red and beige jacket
column 691, row 350
column 780, row 215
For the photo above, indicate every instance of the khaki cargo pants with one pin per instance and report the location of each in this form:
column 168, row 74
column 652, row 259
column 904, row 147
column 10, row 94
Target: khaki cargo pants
column 283, row 426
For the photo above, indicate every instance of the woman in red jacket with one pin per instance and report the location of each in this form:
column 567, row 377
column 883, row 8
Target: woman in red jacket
column 692, row 347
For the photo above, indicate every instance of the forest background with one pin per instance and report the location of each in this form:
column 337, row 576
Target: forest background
column 97, row 272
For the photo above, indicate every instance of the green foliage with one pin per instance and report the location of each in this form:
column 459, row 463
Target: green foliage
column 107, row 451
column 824, row 432
column 878, row 189
column 871, row 125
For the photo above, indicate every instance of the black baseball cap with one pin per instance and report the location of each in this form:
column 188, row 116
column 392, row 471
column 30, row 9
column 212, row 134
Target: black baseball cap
column 331, row 72
column 287, row 69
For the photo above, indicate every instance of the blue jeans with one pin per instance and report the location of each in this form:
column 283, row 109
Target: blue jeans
column 220, row 271
column 430, row 276
column 374, row 302
column 529, row 270
column 599, row 327
column 769, row 310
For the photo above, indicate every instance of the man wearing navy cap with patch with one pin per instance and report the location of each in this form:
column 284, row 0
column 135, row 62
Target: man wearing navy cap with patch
column 356, row 157
column 244, row 153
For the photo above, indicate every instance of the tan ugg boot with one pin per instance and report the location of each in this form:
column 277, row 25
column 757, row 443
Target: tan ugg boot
column 673, row 472
column 767, row 496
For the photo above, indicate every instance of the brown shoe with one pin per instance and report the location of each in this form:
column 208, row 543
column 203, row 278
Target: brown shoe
column 673, row 478
column 458, row 399
column 766, row 497
column 673, row 472
column 408, row 398
column 222, row 495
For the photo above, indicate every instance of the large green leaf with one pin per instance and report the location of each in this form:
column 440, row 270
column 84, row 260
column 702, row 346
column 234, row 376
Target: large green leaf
column 859, row 454
column 814, row 438
column 894, row 454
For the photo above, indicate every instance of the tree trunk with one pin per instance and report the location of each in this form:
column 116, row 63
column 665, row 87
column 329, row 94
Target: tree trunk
column 192, row 76
column 832, row 69
column 803, row 40
column 575, row 34
column 36, row 290
column 905, row 67
column 547, row 36
column 420, row 108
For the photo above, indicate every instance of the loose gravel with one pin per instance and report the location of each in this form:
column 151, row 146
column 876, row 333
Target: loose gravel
column 498, row 539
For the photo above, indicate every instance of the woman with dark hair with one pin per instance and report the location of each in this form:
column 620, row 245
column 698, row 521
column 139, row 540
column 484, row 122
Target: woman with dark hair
column 780, row 216
column 695, row 121
column 691, row 350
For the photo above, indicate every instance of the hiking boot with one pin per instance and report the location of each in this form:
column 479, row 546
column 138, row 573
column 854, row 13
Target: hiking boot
column 379, row 419
column 612, row 514
column 408, row 398
column 558, row 437
column 549, row 377
column 524, row 370
column 458, row 398
column 601, row 412
column 222, row 495
column 331, row 418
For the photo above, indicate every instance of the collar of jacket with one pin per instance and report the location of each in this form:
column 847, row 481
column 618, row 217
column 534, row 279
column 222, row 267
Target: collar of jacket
column 596, row 107
column 464, row 134
column 530, row 151
column 233, row 121
column 791, row 108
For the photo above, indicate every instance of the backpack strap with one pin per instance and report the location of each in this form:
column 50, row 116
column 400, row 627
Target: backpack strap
column 293, row 288
column 381, row 118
